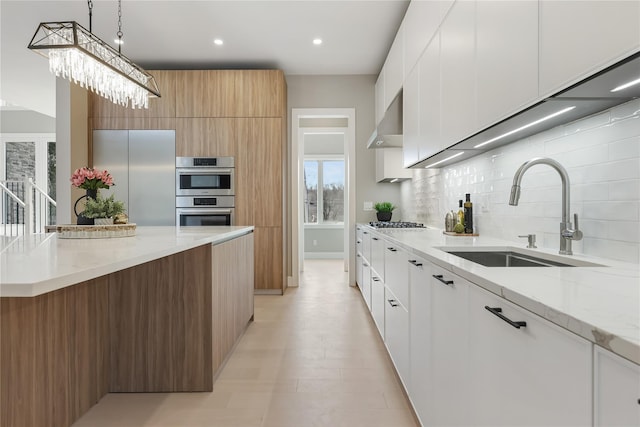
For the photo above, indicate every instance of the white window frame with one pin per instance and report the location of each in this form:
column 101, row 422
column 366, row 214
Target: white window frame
column 321, row 158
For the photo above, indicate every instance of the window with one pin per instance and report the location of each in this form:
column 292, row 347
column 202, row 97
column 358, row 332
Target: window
column 326, row 206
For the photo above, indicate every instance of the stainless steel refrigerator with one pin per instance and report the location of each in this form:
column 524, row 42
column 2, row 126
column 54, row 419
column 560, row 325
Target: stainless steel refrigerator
column 142, row 163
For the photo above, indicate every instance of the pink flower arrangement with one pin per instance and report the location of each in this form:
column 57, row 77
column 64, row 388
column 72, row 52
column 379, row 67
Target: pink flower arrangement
column 91, row 179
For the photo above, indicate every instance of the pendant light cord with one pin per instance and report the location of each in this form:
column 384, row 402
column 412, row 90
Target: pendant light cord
column 119, row 33
column 90, row 4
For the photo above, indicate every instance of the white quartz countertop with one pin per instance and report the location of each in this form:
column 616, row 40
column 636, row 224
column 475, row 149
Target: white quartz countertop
column 41, row 263
column 601, row 304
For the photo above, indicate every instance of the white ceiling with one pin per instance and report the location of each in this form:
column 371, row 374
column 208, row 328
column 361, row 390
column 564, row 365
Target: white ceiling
column 179, row 34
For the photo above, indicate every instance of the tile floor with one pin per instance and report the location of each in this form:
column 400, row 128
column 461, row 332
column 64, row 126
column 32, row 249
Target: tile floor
column 312, row 357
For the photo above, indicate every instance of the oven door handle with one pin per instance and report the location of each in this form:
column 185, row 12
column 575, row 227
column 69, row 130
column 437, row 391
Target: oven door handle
column 203, row 171
column 202, row 211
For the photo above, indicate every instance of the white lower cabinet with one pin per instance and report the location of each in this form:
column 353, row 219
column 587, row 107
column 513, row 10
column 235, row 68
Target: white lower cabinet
column 359, row 270
column 448, row 366
column 419, row 336
column 617, row 390
column 524, row 370
column 377, row 304
column 396, row 334
column 366, row 283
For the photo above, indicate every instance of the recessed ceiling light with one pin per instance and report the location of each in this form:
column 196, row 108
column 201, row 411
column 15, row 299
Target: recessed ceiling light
column 317, row 42
column 218, row 42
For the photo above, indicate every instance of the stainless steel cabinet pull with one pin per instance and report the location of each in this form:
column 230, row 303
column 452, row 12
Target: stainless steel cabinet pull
column 365, row 232
column 415, row 262
column 441, row 279
column 393, row 249
column 498, row 312
column 375, row 279
column 365, row 265
column 392, row 302
column 375, row 238
column 358, row 255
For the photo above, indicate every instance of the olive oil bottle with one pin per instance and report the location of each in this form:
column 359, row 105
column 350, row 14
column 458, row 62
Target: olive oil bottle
column 460, row 213
column 468, row 215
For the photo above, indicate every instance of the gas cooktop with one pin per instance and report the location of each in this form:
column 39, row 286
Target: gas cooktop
column 395, row 224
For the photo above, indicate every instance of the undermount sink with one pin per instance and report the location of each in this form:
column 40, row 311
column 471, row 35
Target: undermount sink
column 509, row 258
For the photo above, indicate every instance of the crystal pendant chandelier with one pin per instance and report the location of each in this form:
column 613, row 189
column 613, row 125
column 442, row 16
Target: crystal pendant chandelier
column 78, row 55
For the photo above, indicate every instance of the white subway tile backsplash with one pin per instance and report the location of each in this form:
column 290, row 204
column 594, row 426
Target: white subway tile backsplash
column 602, row 156
column 624, row 190
column 625, row 149
column 625, row 231
column 614, row 171
column 612, row 211
column 624, row 111
column 590, row 122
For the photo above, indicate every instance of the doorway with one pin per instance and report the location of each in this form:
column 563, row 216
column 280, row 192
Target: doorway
column 323, row 200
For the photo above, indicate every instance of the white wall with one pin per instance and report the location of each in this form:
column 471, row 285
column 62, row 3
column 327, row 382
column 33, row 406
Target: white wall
column 307, row 91
column 602, row 156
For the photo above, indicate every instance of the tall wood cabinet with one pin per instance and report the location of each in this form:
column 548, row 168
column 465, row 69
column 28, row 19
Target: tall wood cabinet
column 239, row 113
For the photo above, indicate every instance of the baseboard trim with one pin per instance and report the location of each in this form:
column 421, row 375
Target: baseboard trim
column 267, row 292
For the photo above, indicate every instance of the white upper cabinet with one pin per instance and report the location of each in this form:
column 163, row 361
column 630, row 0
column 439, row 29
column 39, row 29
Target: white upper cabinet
column 458, row 72
column 411, row 118
column 617, row 390
column 394, row 69
column 420, row 25
column 507, row 58
column 389, row 165
column 430, row 139
column 379, row 98
column 578, row 38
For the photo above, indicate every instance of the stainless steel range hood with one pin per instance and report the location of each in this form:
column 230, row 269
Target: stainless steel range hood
column 585, row 98
column 389, row 132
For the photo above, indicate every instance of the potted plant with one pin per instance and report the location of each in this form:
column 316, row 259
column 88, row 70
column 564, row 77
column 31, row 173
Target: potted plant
column 103, row 210
column 384, row 210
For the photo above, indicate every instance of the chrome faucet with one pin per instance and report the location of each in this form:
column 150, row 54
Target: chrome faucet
column 567, row 232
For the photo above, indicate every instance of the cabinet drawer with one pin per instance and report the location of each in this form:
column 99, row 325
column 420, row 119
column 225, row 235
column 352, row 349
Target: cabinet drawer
column 366, row 245
column 377, row 255
column 366, row 283
column 377, row 305
column 617, row 390
column 396, row 267
column 396, row 334
column 527, row 366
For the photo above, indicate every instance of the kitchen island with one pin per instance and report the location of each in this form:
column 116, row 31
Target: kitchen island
column 156, row 312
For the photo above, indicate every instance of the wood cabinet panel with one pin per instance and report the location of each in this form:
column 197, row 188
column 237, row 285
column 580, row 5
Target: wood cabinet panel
column 205, row 93
column 260, row 93
column 48, row 348
column 232, row 295
column 150, row 348
column 268, row 258
column 267, row 147
column 245, row 173
column 191, row 353
column 131, row 123
column 17, row 350
column 197, row 137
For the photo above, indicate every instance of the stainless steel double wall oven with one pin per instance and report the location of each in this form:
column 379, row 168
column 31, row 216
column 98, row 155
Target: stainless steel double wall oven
column 205, row 191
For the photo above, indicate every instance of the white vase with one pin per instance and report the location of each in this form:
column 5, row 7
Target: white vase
column 103, row 221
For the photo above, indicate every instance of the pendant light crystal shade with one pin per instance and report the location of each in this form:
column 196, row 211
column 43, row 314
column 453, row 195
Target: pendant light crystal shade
column 76, row 54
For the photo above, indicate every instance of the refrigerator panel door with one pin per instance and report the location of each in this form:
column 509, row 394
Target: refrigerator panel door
column 111, row 152
column 152, row 174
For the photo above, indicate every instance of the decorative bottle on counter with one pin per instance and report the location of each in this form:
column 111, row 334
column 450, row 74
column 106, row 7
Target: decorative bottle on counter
column 468, row 215
column 460, row 213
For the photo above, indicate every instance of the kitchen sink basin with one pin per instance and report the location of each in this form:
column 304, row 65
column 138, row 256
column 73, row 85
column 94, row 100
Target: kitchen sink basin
column 508, row 258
